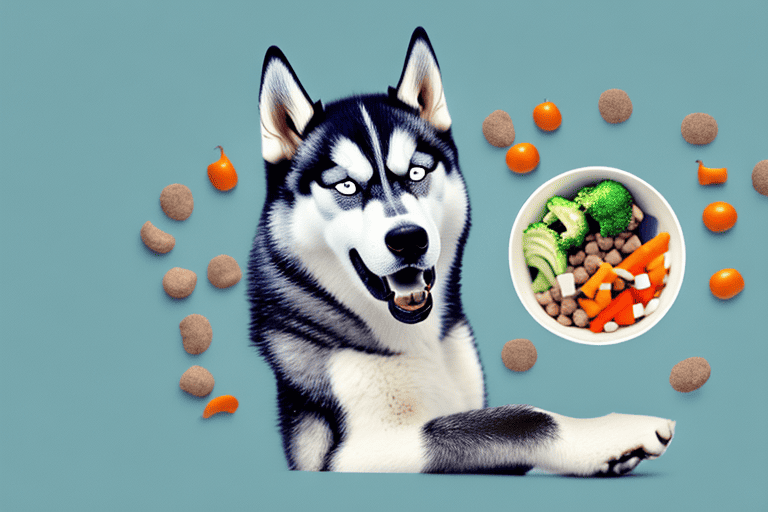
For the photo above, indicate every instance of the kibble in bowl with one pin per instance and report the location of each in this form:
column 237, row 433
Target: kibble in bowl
column 658, row 217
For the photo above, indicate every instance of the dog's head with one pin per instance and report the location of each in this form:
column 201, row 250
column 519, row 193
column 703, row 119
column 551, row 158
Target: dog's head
column 366, row 188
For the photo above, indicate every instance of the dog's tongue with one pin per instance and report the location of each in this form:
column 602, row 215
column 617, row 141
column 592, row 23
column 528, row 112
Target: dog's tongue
column 412, row 301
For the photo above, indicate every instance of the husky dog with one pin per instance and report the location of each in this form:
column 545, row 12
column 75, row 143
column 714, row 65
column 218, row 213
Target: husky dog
column 355, row 299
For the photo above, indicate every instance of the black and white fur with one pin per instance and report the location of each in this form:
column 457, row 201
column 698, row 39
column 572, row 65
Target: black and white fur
column 354, row 286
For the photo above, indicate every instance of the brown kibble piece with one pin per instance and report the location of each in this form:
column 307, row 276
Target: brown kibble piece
column 631, row 245
column 615, row 106
column 568, row 306
column 580, row 318
column 580, row 275
column 618, row 284
column 544, row 297
column 556, row 293
column 176, row 201
column 613, row 257
column 498, row 129
column 179, row 282
column 564, row 320
column 157, row 239
column 197, row 381
column 760, row 177
column 591, row 248
column 196, row 334
column 553, row 309
column 223, row 271
column 519, row 355
column 690, row 374
column 604, row 243
column 699, row 128
column 577, row 259
column 637, row 218
column 592, row 263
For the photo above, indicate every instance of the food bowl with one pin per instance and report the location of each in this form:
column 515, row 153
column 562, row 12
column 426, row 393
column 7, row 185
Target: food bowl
column 659, row 217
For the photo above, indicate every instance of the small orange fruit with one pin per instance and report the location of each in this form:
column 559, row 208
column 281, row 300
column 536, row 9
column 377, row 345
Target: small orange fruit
column 547, row 116
column 726, row 284
column 221, row 173
column 522, row 158
column 719, row 216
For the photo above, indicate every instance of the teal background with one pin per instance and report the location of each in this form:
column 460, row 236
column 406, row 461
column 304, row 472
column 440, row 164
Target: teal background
column 104, row 104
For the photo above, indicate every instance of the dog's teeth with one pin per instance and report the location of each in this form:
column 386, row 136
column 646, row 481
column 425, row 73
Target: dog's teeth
column 412, row 301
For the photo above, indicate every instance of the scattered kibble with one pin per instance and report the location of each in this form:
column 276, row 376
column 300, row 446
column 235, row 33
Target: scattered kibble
column 726, row 283
column 690, row 374
column 157, row 239
column 615, row 106
column 519, row 355
column 179, row 282
column 197, row 381
column 196, row 334
column 498, row 129
column 177, row 202
column 699, row 128
column 223, row 403
column 760, row 177
column 223, row 271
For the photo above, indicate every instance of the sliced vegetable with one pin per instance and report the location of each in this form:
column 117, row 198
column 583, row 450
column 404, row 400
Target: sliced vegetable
column 590, row 307
column 625, row 317
column 640, row 257
column 604, row 274
column 710, row 176
column 621, row 301
column 223, row 403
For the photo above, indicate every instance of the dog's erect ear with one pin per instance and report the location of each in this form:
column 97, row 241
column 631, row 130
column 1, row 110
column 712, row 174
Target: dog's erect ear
column 421, row 85
column 285, row 108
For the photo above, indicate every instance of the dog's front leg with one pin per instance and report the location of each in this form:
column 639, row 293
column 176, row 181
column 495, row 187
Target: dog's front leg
column 510, row 439
column 503, row 439
column 518, row 438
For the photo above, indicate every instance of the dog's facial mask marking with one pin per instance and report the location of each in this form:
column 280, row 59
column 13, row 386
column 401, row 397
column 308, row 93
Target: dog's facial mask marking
column 379, row 162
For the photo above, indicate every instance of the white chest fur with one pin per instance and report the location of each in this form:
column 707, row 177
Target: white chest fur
column 387, row 399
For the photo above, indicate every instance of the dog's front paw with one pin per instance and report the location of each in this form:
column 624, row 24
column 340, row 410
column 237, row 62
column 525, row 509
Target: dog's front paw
column 634, row 439
column 611, row 445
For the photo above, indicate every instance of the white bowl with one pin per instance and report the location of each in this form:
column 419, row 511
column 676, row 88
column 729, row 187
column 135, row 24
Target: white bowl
column 647, row 199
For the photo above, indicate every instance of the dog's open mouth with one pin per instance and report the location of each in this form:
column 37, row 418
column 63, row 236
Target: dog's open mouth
column 406, row 291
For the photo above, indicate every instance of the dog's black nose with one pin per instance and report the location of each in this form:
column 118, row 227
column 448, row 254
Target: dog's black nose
column 409, row 242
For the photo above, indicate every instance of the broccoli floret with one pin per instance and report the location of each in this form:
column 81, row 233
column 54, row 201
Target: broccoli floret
column 609, row 203
column 542, row 250
column 574, row 220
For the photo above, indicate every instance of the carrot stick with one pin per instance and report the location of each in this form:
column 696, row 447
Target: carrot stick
column 621, row 301
column 644, row 295
column 604, row 274
column 656, row 275
column 640, row 257
column 590, row 307
column 658, row 261
column 626, row 316
column 603, row 298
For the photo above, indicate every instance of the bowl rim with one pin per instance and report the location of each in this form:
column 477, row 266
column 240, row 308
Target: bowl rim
column 626, row 333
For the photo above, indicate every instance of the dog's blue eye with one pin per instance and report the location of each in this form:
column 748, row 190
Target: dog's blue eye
column 346, row 188
column 417, row 173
